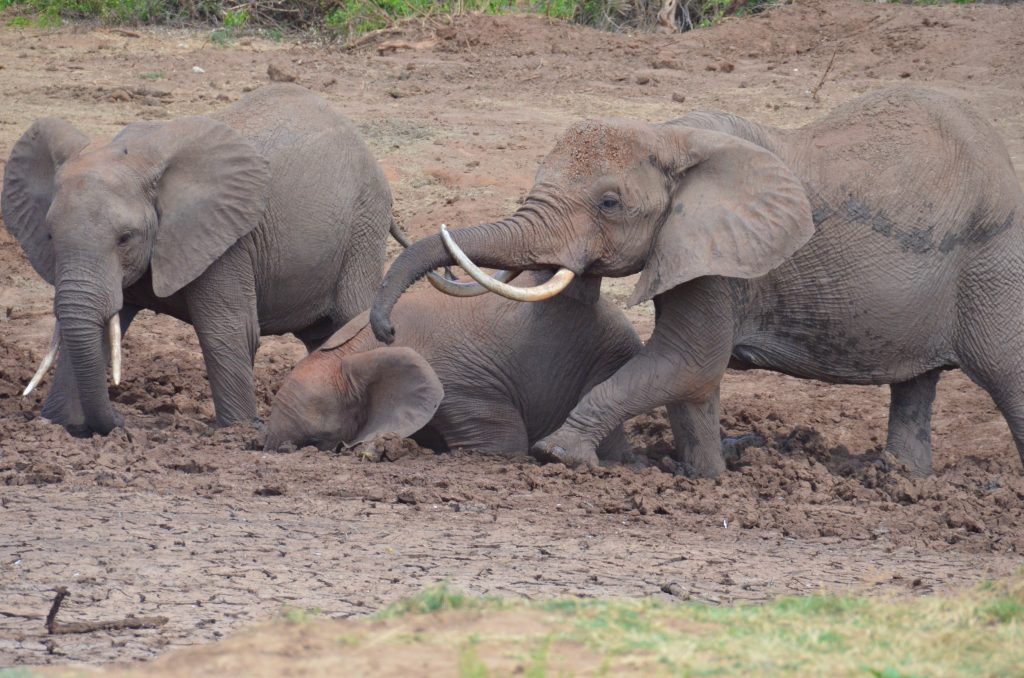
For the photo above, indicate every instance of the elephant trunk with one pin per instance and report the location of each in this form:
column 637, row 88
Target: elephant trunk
column 507, row 244
column 84, row 312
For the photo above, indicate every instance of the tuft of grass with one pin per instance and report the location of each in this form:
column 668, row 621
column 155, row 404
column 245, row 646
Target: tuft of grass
column 470, row 665
column 299, row 616
column 17, row 672
column 438, row 598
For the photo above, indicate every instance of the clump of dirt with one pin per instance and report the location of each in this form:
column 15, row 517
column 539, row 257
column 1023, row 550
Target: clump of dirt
column 387, row 447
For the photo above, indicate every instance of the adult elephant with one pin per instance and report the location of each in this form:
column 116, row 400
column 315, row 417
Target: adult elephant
column 880, row 245
column 485, row 374
column 269, row 216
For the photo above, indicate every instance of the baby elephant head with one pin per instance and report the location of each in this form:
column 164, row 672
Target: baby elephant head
column 332, row 398
column 166, row 199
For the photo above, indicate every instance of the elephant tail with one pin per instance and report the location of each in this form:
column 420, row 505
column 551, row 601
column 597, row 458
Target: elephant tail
column 398, row 234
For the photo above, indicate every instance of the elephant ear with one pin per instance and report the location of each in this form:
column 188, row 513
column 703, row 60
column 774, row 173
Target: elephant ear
column 347, row 333
column 397, row 389
column 736, row 210
column 29, row 185
column 210, row 187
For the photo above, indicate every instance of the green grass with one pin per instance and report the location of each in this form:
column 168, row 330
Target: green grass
column 45, row 13
column 979, row 633
column 355, row 17
column 298, row 615
column 437, row 599
column 349, row 18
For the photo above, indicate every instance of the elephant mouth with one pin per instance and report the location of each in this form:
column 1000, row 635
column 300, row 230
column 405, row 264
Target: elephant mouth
column 113, row 337
column 498, row 283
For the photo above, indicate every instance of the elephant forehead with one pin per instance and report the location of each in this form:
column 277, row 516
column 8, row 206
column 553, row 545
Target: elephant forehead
column 594, row 148
column 99, row 170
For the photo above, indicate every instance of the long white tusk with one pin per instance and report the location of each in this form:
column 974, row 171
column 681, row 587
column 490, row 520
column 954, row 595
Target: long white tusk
column 47, row 362
column 454, row 288
column 114, row 335
column 556, row 284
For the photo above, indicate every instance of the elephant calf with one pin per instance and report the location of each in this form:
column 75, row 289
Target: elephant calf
column 879, row 245
column 485, row 374
column 267, row 217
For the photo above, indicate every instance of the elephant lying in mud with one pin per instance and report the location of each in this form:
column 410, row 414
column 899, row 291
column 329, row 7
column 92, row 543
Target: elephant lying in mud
column 269, row 216
column 880, row 245
column 485, row 374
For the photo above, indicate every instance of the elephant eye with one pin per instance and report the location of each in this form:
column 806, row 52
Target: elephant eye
column 125, row 237
column 609, row 201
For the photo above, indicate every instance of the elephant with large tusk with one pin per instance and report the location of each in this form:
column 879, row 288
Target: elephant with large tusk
column 269, row 216
column 880, row 245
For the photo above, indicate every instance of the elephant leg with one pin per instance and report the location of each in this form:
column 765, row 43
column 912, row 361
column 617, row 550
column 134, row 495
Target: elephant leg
column 615, row 448
column 684, row 361
column 910, row 421
column 990, row 346
column 62, row 405
column 222, row 306
column 484, row 424
column 695, row 429
column 1007, row 390
column 316, row 334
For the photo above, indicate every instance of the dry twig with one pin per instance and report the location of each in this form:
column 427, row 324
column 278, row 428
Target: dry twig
column 53, row 627
column 814, row 92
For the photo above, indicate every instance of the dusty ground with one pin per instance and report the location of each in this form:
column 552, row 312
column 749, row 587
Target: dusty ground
column 195, row 525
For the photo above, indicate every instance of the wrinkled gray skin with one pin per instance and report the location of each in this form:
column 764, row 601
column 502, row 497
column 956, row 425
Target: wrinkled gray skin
column 880, row 245
column 484, row 373
column 269, row 216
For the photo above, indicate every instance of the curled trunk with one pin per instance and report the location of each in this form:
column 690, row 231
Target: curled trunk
column 506, row 244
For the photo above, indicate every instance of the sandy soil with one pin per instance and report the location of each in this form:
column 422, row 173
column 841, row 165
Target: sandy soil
column 196, row 525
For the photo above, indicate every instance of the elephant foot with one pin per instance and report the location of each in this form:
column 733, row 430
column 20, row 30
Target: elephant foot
column 81, row 430
column 565, row 448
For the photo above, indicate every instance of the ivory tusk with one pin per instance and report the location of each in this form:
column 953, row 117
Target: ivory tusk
column 114, row 335
column 552, row 287
column 460, row 289
column 47, row 362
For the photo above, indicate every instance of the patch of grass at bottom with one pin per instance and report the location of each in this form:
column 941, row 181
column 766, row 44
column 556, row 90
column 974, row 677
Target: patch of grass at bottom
column 441, row 631
column 980, row 632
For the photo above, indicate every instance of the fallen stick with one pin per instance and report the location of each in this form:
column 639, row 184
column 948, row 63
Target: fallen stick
column 814, row 92
column 53, row 627
column 20, row 615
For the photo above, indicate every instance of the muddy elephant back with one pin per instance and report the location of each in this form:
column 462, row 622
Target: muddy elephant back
column 915, row 142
